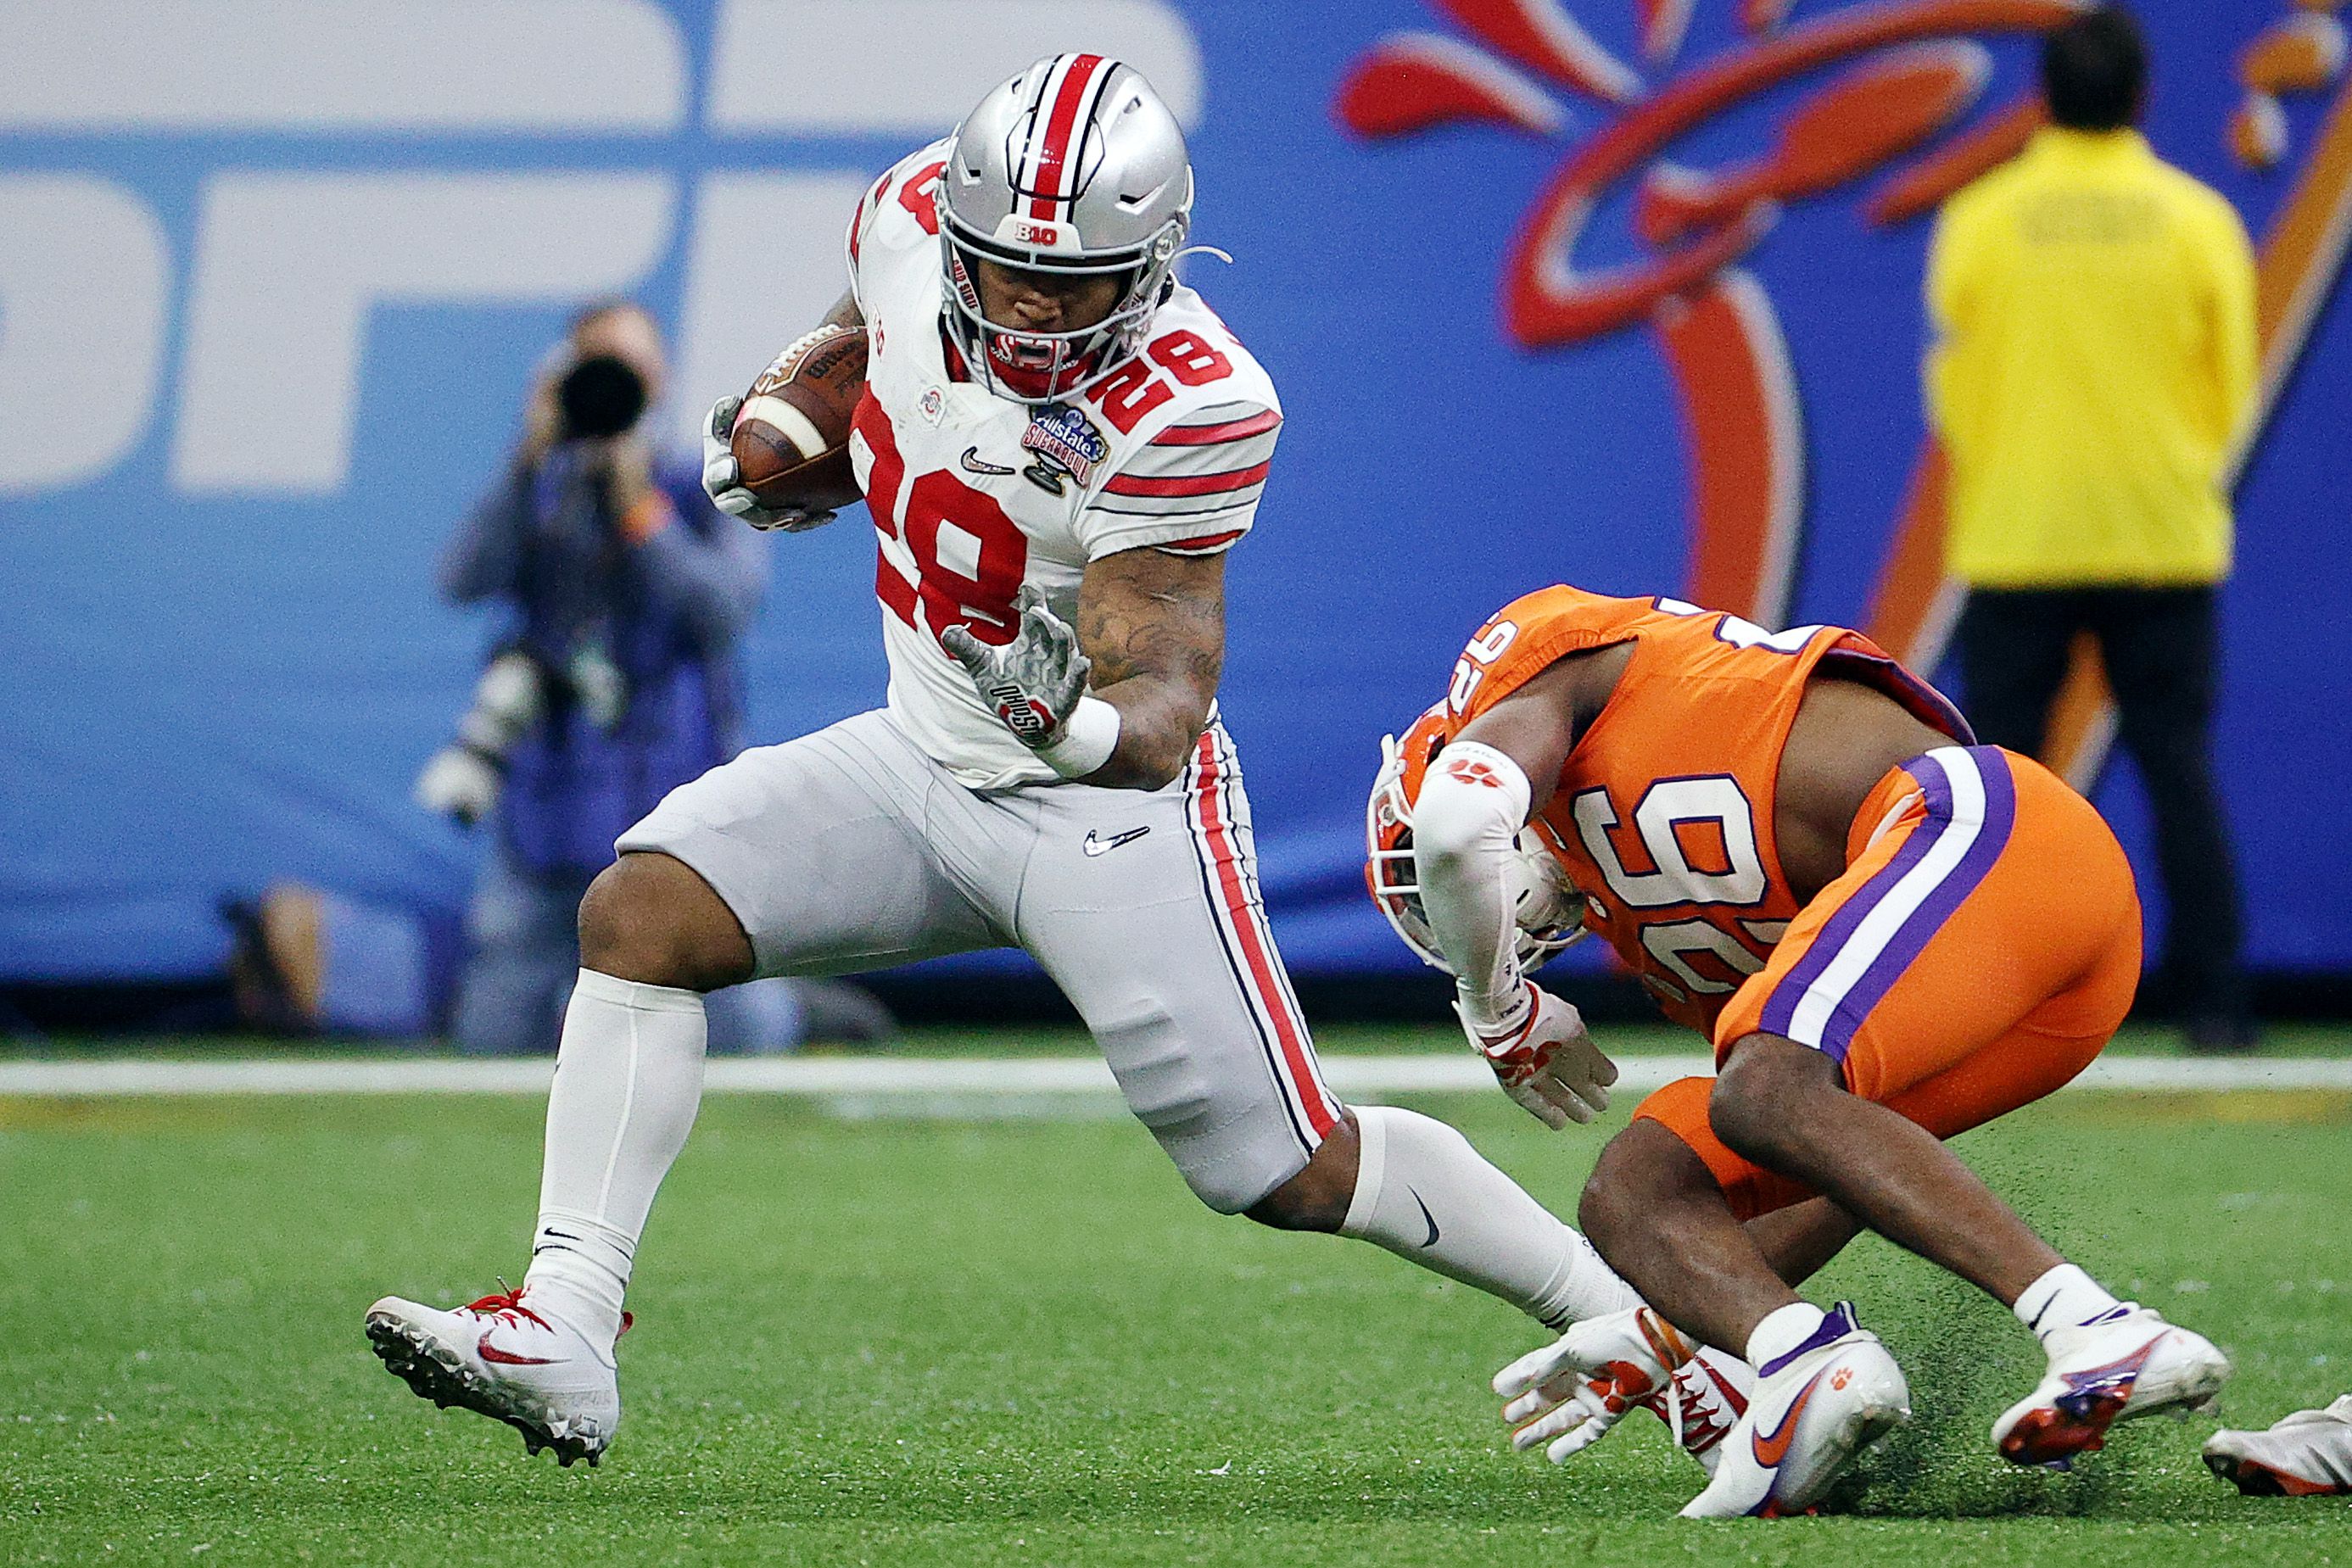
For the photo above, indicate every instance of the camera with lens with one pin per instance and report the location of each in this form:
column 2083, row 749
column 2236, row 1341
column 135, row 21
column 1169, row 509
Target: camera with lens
column 601, row 396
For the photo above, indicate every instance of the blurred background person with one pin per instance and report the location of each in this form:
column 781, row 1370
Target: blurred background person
column 619, row 681
column 2095, row 362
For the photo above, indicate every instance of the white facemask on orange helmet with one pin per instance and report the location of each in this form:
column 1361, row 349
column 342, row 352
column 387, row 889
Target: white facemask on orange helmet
column 1548, row 910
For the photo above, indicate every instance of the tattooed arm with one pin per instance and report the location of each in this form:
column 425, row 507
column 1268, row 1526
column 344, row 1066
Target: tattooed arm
column 1154, row 627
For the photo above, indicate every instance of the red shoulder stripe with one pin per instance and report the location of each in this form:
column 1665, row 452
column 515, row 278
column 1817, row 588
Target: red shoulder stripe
column 1206, row 541
column 1257, row 423
column 1190, row 484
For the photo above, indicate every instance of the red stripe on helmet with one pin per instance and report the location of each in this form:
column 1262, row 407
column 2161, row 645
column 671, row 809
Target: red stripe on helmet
column 1057, row 175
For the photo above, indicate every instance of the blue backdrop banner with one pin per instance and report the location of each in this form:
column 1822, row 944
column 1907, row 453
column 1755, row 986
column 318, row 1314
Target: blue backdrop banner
column 1622, row 292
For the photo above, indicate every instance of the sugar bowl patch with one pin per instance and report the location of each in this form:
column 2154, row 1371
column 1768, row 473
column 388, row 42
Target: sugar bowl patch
column 1067, row 447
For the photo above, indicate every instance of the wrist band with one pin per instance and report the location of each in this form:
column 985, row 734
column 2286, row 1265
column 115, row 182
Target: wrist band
column 1502, row 1021
column 1085, row 742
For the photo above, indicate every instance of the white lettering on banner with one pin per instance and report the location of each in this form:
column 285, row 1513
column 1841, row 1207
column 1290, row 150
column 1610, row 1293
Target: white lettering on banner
column 472, row 66
column 85, row 277
column 287, row 263
column 764, row 263
column 914, row 67
column 289, row 266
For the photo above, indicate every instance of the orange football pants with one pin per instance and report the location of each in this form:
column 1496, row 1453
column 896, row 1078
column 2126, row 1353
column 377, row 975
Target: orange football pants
column 1982, row 947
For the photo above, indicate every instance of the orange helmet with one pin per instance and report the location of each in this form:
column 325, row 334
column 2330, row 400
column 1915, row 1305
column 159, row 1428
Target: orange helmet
column 1550, row 910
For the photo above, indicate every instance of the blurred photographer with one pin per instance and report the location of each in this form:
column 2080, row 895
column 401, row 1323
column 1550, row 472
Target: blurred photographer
column 619, row 681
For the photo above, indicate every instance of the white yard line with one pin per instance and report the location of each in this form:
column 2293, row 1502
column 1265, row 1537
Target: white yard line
column 873, row 1078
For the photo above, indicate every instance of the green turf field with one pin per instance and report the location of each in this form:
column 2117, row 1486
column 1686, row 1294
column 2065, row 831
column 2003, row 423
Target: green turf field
column 985, row 1342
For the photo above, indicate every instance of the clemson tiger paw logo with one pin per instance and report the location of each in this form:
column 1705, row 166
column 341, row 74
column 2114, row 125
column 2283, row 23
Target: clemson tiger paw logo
column 1470, row 770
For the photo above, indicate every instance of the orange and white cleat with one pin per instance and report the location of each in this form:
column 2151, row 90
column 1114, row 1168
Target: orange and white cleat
column 1812, row 1410
column 501, row 1359
column 2125, row 1363
column 2308, row 1454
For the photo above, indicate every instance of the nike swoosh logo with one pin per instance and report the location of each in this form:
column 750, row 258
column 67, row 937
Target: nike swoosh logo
column 1771, row 1450
column 489, row 1352
column 1429, row 1241
column 974, row 462
column 1098, row 845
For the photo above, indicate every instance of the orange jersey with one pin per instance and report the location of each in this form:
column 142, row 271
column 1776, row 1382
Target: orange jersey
column 1663, row 813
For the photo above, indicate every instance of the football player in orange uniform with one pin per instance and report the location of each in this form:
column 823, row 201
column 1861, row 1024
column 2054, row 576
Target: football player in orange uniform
column 1889, row 934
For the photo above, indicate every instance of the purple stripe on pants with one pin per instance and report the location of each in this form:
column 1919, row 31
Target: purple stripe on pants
column 1779, row 1012
column 1910, row 939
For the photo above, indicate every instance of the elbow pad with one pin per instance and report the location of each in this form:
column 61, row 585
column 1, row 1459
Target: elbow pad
column 1466, row 826
column 1475, row 798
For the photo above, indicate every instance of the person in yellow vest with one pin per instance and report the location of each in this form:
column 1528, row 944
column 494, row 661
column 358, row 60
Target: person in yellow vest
column 2093, row 368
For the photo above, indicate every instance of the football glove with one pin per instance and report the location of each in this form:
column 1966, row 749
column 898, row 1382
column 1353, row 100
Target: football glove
column 1034, row 682
column 1542, row 1055
column 722, row 479
column 1569, row 1394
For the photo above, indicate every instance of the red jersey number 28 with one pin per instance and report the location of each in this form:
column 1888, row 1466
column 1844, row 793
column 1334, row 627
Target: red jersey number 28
column 1132, row 391
column 944, row 595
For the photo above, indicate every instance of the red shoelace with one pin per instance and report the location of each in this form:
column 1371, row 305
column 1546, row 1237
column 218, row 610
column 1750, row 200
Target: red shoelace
column 508, row 1303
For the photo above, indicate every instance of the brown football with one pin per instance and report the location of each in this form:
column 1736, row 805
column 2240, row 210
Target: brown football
column 791, row 435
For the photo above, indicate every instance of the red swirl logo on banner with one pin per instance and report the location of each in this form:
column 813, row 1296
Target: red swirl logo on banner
column 1914, row 71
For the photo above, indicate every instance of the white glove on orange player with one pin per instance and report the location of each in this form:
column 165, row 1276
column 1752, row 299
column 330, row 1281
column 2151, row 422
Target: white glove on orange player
column 1570, row 1393
column 1541, row 1053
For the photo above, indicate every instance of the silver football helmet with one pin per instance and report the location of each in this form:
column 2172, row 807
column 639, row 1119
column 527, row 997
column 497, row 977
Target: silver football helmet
column 1072, row 166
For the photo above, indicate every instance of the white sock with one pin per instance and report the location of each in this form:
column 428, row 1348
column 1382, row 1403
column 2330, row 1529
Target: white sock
column 628, row 1078
column 1782, row 1330
column 1424, row 1194
column 2064, row 1298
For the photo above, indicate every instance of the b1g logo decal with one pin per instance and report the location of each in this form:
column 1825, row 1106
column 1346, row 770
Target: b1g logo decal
column 1913, row 72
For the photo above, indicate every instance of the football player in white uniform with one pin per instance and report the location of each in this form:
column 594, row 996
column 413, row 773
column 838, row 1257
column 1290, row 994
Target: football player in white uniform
column 1059, row 444
column 2307, row 1454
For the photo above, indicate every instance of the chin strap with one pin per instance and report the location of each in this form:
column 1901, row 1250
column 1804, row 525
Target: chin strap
column 1222, row 254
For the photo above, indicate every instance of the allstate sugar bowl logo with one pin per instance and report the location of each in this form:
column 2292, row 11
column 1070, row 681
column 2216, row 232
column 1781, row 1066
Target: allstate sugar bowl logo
column 1067, row 446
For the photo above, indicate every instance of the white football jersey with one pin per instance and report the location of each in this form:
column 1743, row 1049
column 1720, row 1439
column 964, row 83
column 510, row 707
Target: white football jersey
column 974, row 494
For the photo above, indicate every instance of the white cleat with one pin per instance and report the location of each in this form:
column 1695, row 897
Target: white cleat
column 1568, row 1395
column 497, row 1356
column 2124, row 1364
column 1811, row 1412
column 2309, row 1454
